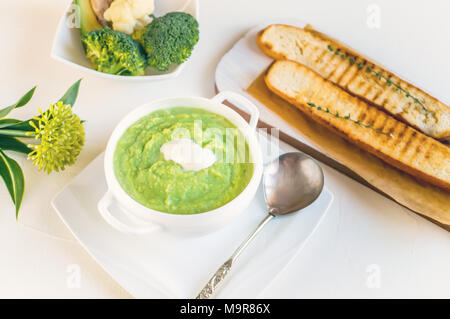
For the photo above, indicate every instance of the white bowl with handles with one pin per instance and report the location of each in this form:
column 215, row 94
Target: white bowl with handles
column 127, row 215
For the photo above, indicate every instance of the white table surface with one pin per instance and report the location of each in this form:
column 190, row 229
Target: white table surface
column 363, row 235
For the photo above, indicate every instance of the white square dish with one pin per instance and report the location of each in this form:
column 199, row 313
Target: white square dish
column 67, row 46
column 163, row 265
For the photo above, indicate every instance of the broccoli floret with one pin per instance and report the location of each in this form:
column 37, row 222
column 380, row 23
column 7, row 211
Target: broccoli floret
column 169, row 39
column 114, row 52
column 137, row 34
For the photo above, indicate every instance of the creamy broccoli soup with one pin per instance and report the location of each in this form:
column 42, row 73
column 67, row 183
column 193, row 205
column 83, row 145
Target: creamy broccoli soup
column 183, row 161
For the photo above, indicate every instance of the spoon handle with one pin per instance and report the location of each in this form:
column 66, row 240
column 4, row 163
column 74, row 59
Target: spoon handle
column 220, row 274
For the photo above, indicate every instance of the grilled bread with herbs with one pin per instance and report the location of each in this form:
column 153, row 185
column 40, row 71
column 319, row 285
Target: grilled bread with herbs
column 358, row 76
column 360, row 123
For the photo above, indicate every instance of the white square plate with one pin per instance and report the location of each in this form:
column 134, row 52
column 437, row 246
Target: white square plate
column 67, row 46
column 163, row 265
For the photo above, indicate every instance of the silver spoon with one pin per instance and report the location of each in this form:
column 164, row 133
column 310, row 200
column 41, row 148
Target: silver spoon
column 291, row 182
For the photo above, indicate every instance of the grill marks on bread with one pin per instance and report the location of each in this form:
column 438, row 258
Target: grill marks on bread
column 348, row 69
column 407, row 149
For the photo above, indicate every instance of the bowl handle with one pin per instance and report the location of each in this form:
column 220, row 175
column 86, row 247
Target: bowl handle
column 241, row 101
column 108, row 201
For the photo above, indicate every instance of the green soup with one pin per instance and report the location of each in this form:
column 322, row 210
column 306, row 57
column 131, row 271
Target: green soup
column 163, row 185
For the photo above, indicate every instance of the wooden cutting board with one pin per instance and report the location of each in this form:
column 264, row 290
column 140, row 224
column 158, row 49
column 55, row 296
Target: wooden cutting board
column 242, row 67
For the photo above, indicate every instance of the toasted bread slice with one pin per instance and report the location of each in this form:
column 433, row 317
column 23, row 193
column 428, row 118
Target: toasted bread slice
column 355, row 74
column 360, row 123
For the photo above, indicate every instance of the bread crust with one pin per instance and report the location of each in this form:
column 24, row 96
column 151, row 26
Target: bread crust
column 408, row 104
column 374, row 142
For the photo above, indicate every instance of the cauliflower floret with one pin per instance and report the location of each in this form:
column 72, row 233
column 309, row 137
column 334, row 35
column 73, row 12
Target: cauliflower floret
column 140, row 23
column 125, row 15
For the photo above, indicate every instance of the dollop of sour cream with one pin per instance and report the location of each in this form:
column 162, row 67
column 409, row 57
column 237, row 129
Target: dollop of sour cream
column 187, row 153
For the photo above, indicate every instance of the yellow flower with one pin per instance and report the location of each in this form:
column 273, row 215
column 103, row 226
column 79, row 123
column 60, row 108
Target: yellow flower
column 61, row 134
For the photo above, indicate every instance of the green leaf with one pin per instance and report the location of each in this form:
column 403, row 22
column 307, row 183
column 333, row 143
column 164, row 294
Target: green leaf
column 15, row 133
column 13, row 177
column 20, row 125
column 7, row 178
column 8, row 122
column 71, row 94
column 13, row 144
column 23, row 101
column 16, row 127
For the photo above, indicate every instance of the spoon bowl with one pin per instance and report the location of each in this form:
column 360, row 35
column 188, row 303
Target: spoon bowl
column 291, row 182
